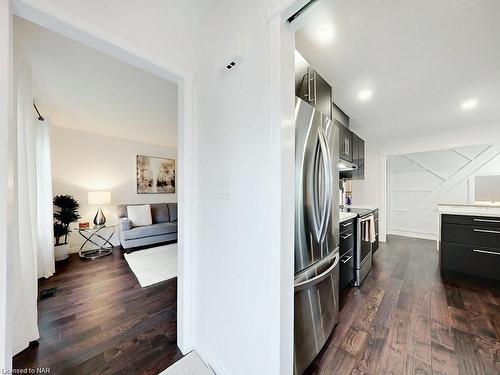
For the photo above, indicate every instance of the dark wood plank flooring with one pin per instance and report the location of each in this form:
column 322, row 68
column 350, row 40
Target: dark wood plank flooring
column 405, row 319
column 102, row 322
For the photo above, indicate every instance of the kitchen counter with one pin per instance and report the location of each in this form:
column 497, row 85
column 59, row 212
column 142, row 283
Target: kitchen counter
column 344, row 216
column 469, row 241
column 469, row 209
column 361, row 206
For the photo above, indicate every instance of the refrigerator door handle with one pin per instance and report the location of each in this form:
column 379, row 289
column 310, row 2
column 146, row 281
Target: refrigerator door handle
column 327, row 196
column 318, row 278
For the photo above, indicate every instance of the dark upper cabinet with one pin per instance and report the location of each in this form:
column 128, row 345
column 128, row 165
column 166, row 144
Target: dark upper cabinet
column 311, row 87
column 345, row 139
column 351, row 148
column 340, row 116
column 345, row 135
column 358, row 158
column 301, row 77
column 322, row 94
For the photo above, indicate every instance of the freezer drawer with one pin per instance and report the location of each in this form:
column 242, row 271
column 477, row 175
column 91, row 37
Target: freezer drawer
column 316, row 309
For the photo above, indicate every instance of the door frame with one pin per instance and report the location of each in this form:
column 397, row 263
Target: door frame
column 5, row 117
column 57, row 19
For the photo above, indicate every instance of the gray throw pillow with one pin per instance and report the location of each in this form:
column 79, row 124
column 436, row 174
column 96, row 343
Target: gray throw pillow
column 172, row 210
column 159, row 213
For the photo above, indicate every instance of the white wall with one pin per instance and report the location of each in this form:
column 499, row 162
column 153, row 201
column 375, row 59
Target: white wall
column 420, row 181
column 369, row 192
column 83, row 162
column 239, row 271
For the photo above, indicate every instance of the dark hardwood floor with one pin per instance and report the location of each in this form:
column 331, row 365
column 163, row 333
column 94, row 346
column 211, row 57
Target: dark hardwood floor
column 405, row 320
column 102, row 322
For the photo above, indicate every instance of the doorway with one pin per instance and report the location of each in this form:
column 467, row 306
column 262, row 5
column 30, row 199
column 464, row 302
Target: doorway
column 93, row 37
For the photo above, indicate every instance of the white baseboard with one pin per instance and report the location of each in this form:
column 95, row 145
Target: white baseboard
column 211, row 361
column 425, row 236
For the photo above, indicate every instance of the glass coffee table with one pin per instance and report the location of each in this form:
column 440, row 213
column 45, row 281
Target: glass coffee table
column 99, row 236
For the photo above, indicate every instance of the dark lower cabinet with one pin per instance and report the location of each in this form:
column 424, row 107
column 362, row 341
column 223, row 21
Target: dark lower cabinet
column 347, row 245
column 346, row 276
column 473, row 260
column 346, row 242
column 470, row 245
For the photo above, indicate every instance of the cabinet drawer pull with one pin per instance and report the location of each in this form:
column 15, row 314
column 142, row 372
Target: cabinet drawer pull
column 346, row 225
column 485, row 252
column 346, row 237
column 487, row 220
column 347, row 260
column 487, row 231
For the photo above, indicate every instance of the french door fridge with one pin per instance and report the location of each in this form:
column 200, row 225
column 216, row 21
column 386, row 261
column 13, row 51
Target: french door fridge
column 316, row 284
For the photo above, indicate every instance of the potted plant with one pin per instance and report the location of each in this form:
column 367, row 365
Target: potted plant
column 65, row 213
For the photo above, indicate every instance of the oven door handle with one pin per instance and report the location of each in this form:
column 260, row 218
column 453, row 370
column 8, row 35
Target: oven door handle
column 365, row 219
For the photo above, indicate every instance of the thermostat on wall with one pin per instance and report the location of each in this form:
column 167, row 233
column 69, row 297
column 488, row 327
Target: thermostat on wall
column 233, row 53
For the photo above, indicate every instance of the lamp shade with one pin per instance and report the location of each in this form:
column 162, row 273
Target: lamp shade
column 99, row 197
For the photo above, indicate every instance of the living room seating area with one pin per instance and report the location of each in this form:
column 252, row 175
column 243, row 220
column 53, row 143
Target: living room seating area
column 142, row 225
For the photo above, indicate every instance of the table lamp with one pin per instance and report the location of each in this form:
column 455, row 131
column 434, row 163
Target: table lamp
column 99, row 198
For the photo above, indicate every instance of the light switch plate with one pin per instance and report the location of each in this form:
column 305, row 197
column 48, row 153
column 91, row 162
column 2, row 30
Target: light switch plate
column 223, row 191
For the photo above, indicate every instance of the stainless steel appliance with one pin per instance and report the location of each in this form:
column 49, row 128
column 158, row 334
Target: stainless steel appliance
column 363, row 254
column 316, row 233
column 364, row 247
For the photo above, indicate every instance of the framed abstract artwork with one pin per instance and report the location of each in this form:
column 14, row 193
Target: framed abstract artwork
column 155, row 175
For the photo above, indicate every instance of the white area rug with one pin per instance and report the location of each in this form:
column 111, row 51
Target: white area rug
column 191, row 364
column 152, row 266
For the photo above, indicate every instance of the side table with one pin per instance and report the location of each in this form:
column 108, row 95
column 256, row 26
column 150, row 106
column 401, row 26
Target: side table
column 95, row 236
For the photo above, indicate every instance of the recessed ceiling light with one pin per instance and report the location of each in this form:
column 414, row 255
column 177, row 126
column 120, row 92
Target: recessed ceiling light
column 469, row 103
column 365, row 94
column 326, row 34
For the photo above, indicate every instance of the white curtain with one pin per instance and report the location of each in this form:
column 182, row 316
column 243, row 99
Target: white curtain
column 44, row 207
column 34, row 256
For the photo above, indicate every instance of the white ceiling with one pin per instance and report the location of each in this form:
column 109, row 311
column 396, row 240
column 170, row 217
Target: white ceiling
column 420, row 58
column 80, row 88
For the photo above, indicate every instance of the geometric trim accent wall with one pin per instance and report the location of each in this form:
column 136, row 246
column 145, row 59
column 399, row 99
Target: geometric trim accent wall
column 418, row 182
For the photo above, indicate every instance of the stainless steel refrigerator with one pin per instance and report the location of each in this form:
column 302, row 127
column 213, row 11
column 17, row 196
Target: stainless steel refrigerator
column 316, row 233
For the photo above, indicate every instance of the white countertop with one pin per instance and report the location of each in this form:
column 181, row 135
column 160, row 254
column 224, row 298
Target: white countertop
column 469, row 209
column 362, row 206
column 344, row 216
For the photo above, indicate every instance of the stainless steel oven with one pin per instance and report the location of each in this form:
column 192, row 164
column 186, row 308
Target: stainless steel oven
column 363, row 254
